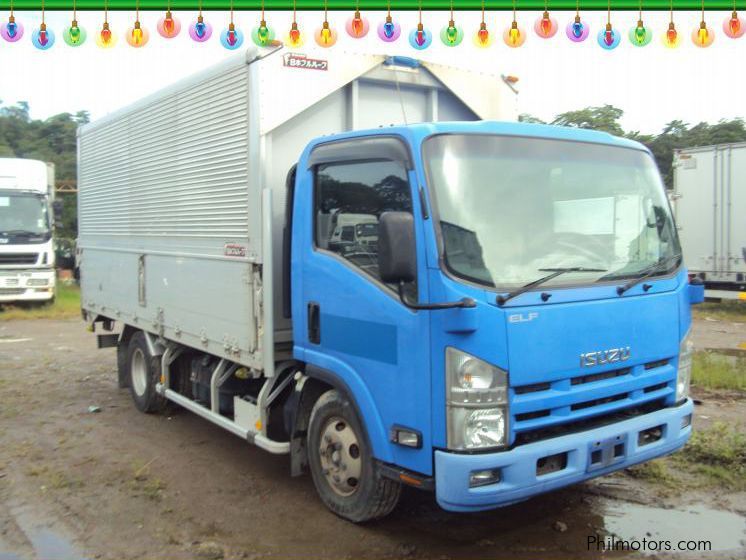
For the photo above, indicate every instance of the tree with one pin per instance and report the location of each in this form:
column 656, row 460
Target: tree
column 528, row 118
column 605, row 118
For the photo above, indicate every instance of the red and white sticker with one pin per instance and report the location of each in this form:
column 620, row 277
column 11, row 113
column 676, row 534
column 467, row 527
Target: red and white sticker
column 234, row 250
column 293, row 60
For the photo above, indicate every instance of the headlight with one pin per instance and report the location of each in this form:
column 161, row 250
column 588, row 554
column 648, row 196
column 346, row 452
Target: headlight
column 476, row 400
column 684, row 374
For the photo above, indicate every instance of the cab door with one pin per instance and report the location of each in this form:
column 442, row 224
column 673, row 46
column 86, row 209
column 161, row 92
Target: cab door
column 346, row 321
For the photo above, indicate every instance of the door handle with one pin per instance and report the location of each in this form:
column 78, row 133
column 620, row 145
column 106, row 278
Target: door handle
column 314, row 323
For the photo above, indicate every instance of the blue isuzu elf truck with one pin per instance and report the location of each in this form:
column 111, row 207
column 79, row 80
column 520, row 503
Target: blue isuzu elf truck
column 483, row 309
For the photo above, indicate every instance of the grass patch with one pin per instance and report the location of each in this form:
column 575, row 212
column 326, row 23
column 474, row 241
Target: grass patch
column 66, row 306
column 718, row 455
column 734, row 311
column 143, row 484
column 712, row 370
column 654, row 471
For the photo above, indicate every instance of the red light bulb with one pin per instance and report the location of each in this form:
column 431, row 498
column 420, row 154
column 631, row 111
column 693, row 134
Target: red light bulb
column 483, row 35
column 671, row 34
column 546, row 24
column 735, row 24
column 357, row 23
column 420, row 35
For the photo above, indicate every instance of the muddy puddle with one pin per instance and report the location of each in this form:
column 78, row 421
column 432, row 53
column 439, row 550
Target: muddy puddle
column 694, row 528
column 43, row 539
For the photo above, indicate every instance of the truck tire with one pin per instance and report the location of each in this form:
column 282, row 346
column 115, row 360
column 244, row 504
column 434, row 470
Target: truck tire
column 144, row 372
column 347, row 478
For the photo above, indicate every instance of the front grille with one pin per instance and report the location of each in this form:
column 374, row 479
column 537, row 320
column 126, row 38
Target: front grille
column 599, row 402
column 541, row 410
column 599, row 376
column 523, row 389
column 588, row 424
column 11, row 291
column 18, row 258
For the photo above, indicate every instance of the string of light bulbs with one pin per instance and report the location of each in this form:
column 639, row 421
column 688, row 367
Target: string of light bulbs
column 357, row 27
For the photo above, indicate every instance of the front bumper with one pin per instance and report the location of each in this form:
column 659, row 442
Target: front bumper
column 518, row 467
column 27, row 285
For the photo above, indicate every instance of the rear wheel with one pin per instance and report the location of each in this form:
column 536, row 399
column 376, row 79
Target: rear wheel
column 346, row 476
column 144, row 374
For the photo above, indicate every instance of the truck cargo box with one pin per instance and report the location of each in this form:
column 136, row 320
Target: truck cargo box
column 709, row 202
column 182, row 195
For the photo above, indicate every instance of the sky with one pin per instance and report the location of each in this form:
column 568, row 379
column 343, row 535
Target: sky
column 652, row 84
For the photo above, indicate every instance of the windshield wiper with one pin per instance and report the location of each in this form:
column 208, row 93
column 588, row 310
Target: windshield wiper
column 501, row 299
column 647, row 272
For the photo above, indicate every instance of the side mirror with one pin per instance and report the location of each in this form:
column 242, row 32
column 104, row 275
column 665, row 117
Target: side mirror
column 397, row 258
column 397, row 252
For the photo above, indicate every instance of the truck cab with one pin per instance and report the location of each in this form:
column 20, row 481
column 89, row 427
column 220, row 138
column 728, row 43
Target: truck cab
column 26, row 225
column 527, row 323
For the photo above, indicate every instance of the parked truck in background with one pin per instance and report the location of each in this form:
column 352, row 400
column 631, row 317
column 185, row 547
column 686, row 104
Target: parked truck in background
column 709, row 201
column 26, row 230
column 520, row 322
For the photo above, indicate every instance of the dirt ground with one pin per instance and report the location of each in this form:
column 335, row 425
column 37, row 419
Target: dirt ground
column 118, row 484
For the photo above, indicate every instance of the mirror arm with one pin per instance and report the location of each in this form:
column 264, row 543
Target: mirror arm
column 466, row 303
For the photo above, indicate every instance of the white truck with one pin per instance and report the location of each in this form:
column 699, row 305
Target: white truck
column 26, row 230
column 709, row 201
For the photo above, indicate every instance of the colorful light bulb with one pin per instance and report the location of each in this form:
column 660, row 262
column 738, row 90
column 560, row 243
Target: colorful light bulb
column 105, row 38
column 546, row 26
column 42, row 38
column 514, row 36
column 231, row 37
column 577, row 30
column 262, row 35
column 609, row 37
column 200, row 30
column 325, row 36
column 640, row 35
column 420, row 38
column 168, row 26
column 703, row 36
column 734, row 26
column 671, row 37
column 357, row 26
column 74, row 35
column 451, row 35
column 482, row 38
column 388, row 30
column 295, row 38
column 137, row 36
column 11, row 31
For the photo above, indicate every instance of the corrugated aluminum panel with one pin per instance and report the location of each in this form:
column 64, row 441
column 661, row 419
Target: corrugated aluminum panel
column 177, row 167
column 709, row 197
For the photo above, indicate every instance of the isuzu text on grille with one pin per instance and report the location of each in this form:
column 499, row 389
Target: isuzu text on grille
column 590, row 359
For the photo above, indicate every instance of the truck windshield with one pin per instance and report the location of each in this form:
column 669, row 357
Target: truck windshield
column 512, row 206
column 22, row 213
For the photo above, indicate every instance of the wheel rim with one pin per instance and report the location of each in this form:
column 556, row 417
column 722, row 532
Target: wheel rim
column 339, row 451
column 139, row 372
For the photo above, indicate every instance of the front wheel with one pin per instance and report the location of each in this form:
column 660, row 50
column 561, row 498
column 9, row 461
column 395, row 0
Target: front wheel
column 346, row 476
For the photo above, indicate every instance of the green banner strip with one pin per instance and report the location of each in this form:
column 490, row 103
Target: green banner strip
column 349, row 5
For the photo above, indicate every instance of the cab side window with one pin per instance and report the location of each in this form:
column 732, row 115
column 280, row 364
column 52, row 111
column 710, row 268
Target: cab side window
column 349, row 201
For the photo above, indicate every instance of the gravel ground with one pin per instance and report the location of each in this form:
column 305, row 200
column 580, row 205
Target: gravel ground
column 119, row 484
